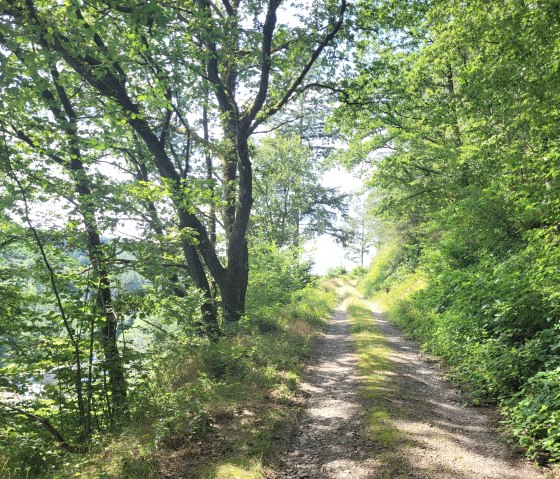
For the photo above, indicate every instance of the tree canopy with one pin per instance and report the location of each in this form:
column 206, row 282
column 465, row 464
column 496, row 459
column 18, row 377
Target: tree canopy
column 161, row 170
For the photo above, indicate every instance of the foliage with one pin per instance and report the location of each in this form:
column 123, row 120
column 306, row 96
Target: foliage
column 291, row 206
column 457, row 116
column 276, row 274
column 126, row 189
column 184, row 388
column 140, row 87
column 533, row 415
column 336, row 271
column 489, row 324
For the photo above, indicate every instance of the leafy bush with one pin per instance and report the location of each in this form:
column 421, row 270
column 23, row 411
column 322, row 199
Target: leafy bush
column 387, row 259
column 189, row 422
column 358, row 272
column 228, row 357
column 336, row 271
column 275, row 274
column 26, row 454
column 533, row 415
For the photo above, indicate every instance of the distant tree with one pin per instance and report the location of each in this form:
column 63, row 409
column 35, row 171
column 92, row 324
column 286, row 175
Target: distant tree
column 291, row 205
column 360, row 224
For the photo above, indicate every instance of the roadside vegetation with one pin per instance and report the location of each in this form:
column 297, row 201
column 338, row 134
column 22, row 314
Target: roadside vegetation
column 161, row 171
column 472, row 319
column 455, row 108
column 201, row 408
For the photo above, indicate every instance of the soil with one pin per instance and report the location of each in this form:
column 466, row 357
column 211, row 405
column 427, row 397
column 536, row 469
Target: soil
column 436, row 435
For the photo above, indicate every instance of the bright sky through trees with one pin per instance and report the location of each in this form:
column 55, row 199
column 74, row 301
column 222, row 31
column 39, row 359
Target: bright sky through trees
column 326, row 252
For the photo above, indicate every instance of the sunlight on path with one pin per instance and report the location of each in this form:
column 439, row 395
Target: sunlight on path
column 397, row 419
column 328, row 442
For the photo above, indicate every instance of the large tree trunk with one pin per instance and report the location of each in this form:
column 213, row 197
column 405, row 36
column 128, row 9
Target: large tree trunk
column 233, row 287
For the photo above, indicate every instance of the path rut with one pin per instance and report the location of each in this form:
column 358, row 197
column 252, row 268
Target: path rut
column 437, row 436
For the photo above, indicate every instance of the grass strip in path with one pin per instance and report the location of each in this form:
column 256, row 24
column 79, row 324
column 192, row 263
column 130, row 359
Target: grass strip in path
column 417, row 421
column 376, row 368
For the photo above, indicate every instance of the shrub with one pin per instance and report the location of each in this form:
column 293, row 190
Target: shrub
column 336, row 271
column 189, row 422
column 384, row 264
column 533, row 415
column 275, row 273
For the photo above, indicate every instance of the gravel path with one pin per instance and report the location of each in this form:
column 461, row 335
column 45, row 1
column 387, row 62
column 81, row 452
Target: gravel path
column 436, row 436
column 328, row 442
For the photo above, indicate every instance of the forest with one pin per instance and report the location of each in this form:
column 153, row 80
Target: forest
column 162, row 169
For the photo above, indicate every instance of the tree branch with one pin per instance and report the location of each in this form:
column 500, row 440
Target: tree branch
column 299, row 79
column 268, row 32
column 46, row 425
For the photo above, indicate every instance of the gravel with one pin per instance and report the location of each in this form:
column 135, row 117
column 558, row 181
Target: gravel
column 437, row 436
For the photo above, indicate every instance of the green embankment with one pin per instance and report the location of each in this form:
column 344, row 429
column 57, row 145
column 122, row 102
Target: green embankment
column 478, row 321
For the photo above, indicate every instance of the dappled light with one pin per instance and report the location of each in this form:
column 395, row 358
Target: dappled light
column 266, row 239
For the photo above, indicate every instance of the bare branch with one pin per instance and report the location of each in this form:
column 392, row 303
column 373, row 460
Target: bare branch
column 277, row 127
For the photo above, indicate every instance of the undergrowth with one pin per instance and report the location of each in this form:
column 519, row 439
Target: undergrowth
column 492, row 322
column 215, row 409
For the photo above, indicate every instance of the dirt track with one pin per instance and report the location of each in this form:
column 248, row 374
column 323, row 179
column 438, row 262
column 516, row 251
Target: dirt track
column 437, row 437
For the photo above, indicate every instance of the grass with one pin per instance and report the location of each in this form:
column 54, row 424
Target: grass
column 375, row 366
column 377, row 371
column 397, row 301
column 234, row 468
column 220, row 410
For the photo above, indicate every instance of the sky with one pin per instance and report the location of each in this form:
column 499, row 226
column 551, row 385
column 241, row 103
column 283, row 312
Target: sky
column 324, row 251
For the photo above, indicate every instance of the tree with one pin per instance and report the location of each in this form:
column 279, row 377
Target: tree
column 57, row 144
column 431, row 85
column 360, row 225
column 147, row 64
column 462, row 98
column 291, row 205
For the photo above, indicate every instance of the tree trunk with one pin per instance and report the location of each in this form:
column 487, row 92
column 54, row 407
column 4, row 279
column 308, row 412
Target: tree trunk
column 65, row 114
column 198, row 275
column 233, row 288
column 109, row 336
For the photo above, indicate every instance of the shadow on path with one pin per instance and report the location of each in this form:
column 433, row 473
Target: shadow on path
column 434, row 435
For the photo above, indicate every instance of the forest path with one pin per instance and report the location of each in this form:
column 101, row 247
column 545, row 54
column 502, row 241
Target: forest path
column 413, row 426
